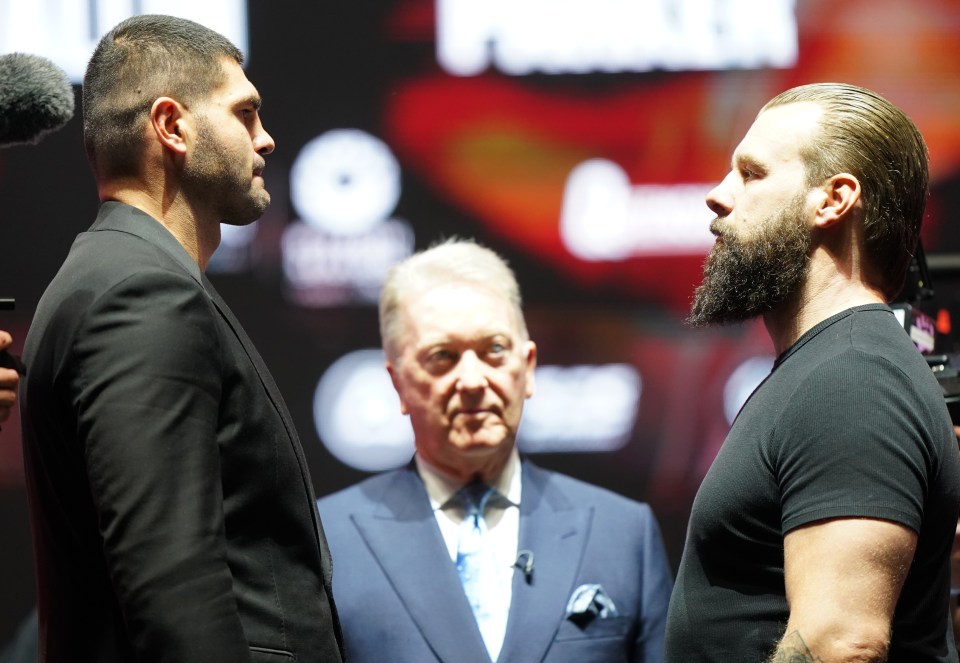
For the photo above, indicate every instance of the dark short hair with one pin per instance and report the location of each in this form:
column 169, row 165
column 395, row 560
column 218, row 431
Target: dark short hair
column 863, row 134
column 138, row 61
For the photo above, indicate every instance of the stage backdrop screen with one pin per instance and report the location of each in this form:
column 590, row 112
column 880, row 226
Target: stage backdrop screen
column 576, row 138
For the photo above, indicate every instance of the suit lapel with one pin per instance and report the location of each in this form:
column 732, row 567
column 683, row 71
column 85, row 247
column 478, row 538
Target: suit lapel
column 403, row 536
column 555, row 531
column 273, row 393
column 266, row 379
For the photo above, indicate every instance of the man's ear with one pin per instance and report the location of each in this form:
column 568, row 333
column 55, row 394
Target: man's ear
column 838, row 197
column 531, row 365
column 393, row 378
column 167, row 120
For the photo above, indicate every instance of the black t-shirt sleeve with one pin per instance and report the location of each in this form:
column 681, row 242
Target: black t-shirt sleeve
column 855, row 443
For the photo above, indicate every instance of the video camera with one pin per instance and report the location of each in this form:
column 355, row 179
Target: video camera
column 922, row 330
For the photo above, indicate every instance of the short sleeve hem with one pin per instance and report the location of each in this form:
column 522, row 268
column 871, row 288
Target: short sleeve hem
column 905, row 518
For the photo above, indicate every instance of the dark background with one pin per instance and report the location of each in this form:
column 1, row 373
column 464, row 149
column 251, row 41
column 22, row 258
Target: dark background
column 465, row 143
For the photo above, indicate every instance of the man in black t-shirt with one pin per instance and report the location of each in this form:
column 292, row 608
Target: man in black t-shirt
column 822, row 531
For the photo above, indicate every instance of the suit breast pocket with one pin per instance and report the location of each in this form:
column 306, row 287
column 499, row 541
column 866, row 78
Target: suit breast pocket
column 607, row 640
column 265, row 655
column 616, row 628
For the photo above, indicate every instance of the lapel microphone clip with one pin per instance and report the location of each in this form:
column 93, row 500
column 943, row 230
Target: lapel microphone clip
column 525, row 563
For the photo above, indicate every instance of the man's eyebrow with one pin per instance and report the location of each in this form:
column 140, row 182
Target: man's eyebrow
column 253, row 100
column 746, row 161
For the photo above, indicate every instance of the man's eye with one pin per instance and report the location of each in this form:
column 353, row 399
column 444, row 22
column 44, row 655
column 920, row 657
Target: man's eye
column 497, row 352
column 440, row 356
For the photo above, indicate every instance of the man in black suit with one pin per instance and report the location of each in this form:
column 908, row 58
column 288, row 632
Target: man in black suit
column 174, row 518
column 546, row 568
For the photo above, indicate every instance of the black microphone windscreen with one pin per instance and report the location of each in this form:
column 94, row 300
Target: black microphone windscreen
column 36, row 97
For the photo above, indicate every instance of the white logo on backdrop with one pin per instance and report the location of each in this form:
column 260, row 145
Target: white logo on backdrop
column 67, row 31
column 582, row 36
column 605, row 217
column 345, row 184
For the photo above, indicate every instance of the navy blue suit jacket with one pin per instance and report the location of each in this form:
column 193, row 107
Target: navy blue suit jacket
column 399, row 597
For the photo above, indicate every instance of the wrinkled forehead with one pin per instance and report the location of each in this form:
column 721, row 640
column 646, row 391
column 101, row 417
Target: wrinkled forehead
column 457, row 308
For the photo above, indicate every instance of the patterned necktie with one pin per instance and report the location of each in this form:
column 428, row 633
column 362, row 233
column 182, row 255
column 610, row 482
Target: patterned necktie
column 477, row 567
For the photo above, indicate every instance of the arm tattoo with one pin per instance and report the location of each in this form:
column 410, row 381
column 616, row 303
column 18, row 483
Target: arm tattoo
column 793, row 649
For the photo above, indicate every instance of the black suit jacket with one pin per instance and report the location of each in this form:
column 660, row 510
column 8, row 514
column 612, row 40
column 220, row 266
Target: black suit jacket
column 172, row 509
column 401, row 600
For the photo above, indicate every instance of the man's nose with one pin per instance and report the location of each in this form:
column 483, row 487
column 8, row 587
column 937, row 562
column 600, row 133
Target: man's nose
column 263, row 142
column 720, row 198
column 470, row 374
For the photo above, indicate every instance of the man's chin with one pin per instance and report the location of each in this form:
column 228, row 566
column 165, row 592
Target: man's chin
column 481, row 444
column 247, row 216
column 486, row 441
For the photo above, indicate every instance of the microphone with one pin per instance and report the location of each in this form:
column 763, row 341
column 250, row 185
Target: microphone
column 525, row 563
column 36, row 98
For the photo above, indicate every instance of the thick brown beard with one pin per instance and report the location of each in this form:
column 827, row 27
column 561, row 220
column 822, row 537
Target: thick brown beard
column 746, row 279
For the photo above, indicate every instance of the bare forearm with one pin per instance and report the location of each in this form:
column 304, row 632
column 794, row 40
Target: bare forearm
column 792, row 649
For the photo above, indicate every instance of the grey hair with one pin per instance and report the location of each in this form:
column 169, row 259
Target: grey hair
column 454, row 260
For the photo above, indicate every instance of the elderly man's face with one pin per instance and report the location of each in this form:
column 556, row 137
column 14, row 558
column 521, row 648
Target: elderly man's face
column 462, row 374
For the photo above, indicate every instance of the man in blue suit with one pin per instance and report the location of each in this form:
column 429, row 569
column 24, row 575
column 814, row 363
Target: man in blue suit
column 545, row 567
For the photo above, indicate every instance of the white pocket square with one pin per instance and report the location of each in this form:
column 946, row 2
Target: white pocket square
column 588, row 602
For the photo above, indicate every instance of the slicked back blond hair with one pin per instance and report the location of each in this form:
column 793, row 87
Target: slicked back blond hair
column 863, row 134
